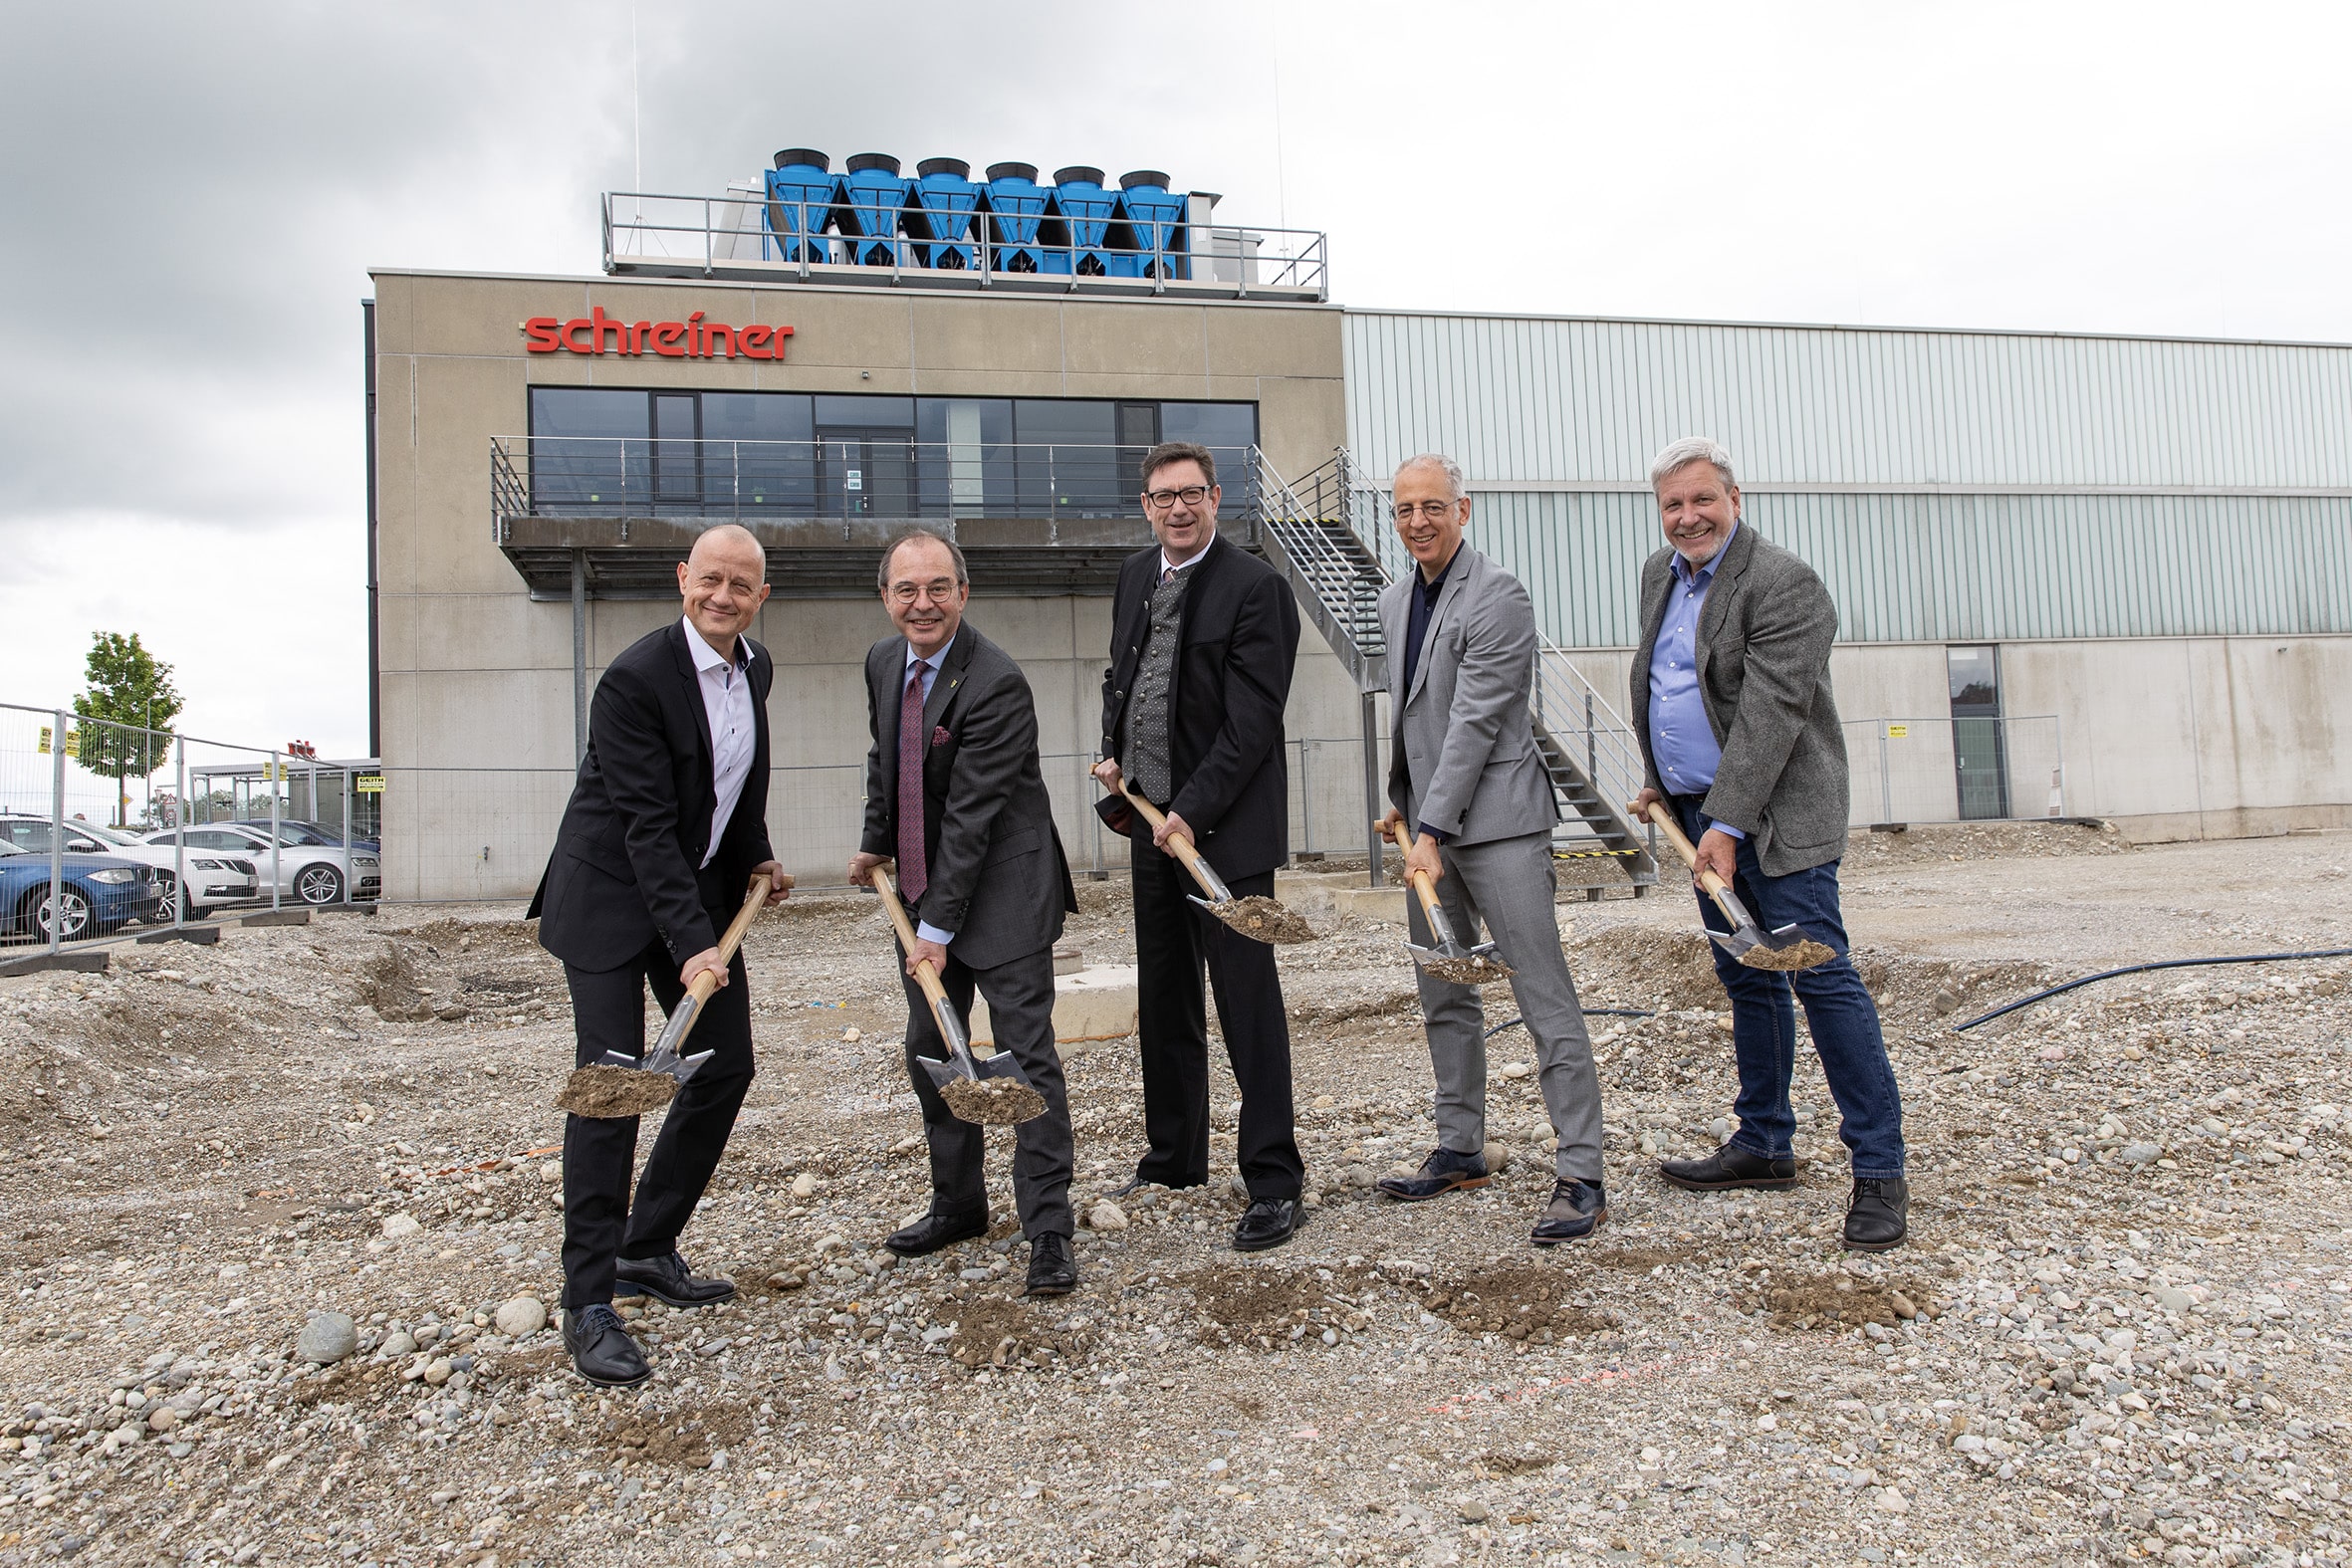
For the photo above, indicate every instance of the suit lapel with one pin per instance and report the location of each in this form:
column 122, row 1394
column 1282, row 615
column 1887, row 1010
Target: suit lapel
column 1720, row 593
column 950, row 676
column 1395, row 606
column 693, row 678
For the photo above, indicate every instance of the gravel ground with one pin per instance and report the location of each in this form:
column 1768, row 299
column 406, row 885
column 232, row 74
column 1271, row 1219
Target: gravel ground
column 2119, row 1332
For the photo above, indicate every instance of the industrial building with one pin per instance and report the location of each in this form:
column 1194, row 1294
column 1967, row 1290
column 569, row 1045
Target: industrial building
column 2080, row 575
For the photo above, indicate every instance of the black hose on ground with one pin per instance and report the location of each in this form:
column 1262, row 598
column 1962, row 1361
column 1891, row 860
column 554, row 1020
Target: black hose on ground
column 1590, row 1012
column 2134, row 968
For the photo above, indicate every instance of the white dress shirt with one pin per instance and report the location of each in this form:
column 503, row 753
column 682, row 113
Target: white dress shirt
column 727, row 700
column 1167, row 566
column 930, row 668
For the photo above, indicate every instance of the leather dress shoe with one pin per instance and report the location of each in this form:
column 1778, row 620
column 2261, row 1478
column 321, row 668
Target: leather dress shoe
column 1731, row 1166
column 1878, row 1216
column 1051, row 1270
column 1441, row 1173
column 668, row 1280
column 933, row 1231
column 600, row 1349
column 1574, row 1212
column 1267, row 1223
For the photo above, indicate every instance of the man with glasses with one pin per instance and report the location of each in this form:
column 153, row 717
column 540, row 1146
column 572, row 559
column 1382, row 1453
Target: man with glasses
column 1203, row 637
column 1464, row 775
column 954, row 795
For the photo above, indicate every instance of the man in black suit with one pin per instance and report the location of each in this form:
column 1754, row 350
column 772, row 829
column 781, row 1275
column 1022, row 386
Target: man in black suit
column 955, row 796
column 1203, row 636
column 666, row 827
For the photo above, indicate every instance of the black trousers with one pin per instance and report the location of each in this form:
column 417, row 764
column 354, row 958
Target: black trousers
column 601, row 1223
column 1174, row 938
column 1020, row 996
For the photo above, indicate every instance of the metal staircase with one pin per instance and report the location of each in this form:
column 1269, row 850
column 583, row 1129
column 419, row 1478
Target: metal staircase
column 1317, row 533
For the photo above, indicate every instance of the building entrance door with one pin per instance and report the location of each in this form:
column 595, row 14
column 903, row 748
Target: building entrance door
column 866, row 472
column 1980, row 753
column 677, row 451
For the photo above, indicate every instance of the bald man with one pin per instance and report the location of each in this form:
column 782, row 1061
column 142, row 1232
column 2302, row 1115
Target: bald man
column 666, row 827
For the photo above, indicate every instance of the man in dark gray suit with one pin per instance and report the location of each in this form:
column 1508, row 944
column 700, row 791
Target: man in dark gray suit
column 1731, row 703
column 1465, row 771
column 954, row 795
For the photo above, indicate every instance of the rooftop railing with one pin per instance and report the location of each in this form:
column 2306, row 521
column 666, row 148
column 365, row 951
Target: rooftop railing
column 735, row 235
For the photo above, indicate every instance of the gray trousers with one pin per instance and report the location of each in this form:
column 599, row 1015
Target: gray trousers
column 1507, row 884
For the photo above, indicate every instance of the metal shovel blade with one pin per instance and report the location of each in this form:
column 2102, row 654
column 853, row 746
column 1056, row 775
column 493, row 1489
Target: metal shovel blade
column 1460, row 966
column 991, row 1092
column 1259, row 918
column 1784, row 947
column 664, row 1057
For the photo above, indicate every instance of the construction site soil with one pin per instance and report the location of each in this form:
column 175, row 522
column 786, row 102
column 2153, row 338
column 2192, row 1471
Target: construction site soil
column 283, row 1225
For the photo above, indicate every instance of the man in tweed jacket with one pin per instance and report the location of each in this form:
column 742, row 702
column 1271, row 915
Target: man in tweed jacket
column 1739, row 736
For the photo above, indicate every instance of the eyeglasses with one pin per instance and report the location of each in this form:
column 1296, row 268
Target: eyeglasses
column 1435, row 511
column 1190, row 495
column 907, row 592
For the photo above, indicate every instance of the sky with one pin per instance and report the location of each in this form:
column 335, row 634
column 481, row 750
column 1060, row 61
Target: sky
column 190, row 198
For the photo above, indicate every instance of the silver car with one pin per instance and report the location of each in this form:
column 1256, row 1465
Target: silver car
column 214, row 882
column 306, row 873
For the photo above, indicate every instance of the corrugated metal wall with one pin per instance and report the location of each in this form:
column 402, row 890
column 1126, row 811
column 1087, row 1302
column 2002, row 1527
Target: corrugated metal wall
column 1851, row 445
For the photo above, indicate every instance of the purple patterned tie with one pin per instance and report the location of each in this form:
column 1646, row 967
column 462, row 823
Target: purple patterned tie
column 911, row 877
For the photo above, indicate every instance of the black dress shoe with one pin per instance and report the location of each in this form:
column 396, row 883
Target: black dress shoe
column 668, row 1280
column 1879, row 1214
column 1731, row 1166
column 1136, row 1184
column 1574, row 1212
column 933, row 1231
column 1051, row 1270
column 601, row 1350
column 1269, row 1222
column 1442, row 1172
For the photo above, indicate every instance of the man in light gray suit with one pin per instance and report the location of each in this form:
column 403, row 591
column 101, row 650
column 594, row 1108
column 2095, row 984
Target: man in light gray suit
column 1464, row 772
column 1732, row 702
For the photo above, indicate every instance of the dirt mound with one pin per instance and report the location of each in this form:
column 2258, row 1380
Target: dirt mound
column 389, row 983
column 1517, row 1300
column 997, row 1331
column 684, row 1441
column 1950, row 841
column 1839, row 1301
column 490, row 938
column 1252, row 1306
column 1674, row 969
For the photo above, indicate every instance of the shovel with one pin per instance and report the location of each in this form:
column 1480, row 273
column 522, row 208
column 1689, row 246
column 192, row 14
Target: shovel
column 1784, row 949
column 1449, row 960
column 625, row 1086
column 1258, row 918
column 992, row 1093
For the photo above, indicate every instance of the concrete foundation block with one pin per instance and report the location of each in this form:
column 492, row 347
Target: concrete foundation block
column 1095, row 1003
column 84, row 963
column 278, row 917
column 1323, row 896
column 202, row 935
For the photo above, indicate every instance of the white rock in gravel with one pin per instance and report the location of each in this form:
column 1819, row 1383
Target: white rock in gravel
column 2140, row 1152
column 804, row 1184
column 523, row 1316
column 399, row 1343
column 1889, row 1500
column 2171, row 1300
column 400, row 1227
column 327, row 1338
column 1517, row 1069
column 1498, row 1157
column 162, row 1418
column 1107, row 1216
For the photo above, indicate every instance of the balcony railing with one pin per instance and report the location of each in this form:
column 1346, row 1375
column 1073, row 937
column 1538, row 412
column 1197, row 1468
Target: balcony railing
column 737, row 235
column 871, row 477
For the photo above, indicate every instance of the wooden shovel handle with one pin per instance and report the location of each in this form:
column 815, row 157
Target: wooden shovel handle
column 1421, row 883
column 1715, row 885
column 925, row 975
column 1178, row 846
column 708, row 980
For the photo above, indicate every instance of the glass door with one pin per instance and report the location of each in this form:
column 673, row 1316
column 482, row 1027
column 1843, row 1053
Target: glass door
column 866, row 472
column 677, row 466
column 1979, row 757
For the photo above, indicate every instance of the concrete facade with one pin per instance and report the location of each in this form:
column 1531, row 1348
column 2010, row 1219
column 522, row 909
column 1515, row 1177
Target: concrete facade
column 476, row 677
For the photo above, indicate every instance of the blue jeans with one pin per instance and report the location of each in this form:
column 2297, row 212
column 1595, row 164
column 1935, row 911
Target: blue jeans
column 1838, row 1011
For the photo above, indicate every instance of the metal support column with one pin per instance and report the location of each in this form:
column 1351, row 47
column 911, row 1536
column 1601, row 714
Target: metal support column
column 57, row 835
column 1372, row 801
column 179, row 840
column 277, row 845
column 579, row 692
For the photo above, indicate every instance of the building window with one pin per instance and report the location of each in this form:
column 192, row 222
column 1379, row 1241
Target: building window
column 600, row 451
column 1979, row 745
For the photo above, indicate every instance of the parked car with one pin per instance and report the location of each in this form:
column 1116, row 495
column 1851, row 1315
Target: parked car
column 310, row 833
column 101, row 895
column 311, row 873
column 214, row 880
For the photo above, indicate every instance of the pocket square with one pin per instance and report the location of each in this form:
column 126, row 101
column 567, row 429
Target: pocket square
column 939, row 736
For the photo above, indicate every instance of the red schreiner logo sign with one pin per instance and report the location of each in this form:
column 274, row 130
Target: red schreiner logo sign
column 691, row 339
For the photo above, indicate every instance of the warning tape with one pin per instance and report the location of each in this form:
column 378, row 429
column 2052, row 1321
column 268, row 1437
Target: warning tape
column 1590, row 854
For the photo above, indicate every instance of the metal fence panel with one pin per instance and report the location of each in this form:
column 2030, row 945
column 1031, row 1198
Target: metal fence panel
column 1954, row 770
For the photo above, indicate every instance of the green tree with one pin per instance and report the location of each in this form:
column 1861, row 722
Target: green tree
column 131, row 694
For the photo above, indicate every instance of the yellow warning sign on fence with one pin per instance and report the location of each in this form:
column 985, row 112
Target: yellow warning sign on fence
column 1898, row 732
column 73, row 742
column 367, row 784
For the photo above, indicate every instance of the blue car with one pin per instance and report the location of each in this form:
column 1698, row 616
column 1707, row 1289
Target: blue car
column 101, row 894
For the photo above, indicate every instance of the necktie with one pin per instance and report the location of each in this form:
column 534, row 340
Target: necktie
column 912, row 877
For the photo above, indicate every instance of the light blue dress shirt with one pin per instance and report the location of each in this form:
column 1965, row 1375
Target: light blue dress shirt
column 930, row 667
column 1681, row 739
